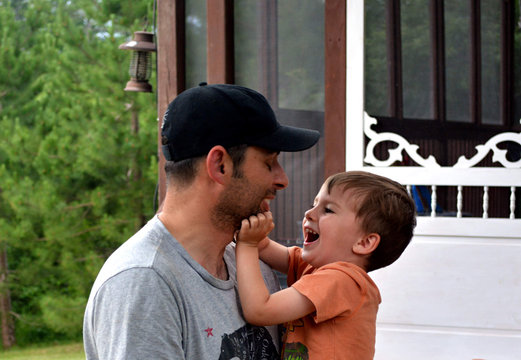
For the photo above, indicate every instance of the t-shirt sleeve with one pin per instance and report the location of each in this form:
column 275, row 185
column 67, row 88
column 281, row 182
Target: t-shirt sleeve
column 296, row 266
column 134, row 317
column 333, row 290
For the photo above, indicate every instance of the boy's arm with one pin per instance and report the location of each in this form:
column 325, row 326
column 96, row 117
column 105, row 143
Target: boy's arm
column 259, row 307
column 274, row 254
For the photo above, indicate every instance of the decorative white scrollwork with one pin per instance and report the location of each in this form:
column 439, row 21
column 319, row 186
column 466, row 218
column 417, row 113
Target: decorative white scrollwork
column 396, row 153
column 499, row 155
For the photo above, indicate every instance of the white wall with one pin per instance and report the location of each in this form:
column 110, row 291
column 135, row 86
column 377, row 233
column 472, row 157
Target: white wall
column 453, row 296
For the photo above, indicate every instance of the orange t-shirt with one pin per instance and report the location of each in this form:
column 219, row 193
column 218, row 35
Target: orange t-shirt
column 346, row 302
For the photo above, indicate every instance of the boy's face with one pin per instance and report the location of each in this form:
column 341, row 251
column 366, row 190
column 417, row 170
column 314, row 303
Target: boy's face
column 331, row 229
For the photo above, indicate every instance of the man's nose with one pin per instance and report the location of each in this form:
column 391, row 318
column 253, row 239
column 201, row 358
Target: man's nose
column 280, row 178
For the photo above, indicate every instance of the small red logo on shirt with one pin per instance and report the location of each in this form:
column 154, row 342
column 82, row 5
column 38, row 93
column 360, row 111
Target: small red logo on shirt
column 209, row 332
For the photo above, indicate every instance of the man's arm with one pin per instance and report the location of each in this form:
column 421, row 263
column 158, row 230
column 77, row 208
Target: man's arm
column 259, row 307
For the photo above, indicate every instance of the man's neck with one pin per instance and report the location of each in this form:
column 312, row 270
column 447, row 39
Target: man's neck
column 203, row 242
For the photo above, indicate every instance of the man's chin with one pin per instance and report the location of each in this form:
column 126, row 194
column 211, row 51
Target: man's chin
column 264, row 206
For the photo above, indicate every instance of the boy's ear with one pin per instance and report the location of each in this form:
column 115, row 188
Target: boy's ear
column 218, row 164
column 367, row 244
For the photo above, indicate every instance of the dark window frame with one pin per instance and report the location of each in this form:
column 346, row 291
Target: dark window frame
column 440, row 125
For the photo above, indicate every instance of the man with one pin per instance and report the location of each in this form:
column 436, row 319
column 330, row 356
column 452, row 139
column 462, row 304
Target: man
column 169, row 292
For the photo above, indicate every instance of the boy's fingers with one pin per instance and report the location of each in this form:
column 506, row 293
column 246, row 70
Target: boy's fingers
column 266, row 220
column 254, row 221
column 245, row 223
column 266, row 215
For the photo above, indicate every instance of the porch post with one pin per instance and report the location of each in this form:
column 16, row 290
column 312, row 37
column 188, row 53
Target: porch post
column 170, row 68
column 335, row 87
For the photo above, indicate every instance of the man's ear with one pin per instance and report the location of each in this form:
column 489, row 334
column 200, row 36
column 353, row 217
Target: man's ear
column 218, row 164
column 367, row 244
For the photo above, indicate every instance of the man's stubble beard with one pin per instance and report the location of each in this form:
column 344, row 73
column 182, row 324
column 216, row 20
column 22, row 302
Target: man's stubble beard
column 239, row 201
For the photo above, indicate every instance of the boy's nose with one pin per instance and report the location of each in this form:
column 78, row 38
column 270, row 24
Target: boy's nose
column 309, row 214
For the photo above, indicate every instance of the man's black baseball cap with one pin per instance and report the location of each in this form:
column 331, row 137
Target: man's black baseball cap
column 227, row 115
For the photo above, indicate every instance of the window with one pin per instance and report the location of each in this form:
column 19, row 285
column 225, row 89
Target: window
column 195, row 42
column 447, row 61
column 279, row 51
column 445, row 75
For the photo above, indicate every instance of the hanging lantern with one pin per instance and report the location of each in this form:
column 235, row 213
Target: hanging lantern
column 141, row 62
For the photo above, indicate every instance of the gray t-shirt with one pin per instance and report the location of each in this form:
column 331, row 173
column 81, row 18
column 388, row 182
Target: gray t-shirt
column 152, row 300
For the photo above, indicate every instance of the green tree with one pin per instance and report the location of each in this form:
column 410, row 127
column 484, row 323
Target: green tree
column 78, row 160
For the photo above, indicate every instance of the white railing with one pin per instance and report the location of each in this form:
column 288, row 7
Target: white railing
column 430, row 174
column 459, row 200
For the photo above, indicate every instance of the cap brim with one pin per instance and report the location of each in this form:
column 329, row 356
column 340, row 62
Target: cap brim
column 288, row 138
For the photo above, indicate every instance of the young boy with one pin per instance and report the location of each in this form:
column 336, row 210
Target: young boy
column 359, row 222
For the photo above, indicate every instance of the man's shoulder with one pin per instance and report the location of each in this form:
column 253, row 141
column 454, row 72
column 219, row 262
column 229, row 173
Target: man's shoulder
column 140, row 251
column 141, row 248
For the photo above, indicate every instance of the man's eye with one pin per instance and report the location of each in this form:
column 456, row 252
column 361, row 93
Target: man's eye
column 269, row 167
column 328, row 210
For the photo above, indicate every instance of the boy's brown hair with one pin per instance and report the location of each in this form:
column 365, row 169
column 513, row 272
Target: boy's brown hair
column 383, row 206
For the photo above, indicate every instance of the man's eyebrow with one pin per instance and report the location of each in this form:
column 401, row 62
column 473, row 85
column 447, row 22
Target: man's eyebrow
column 273, row 154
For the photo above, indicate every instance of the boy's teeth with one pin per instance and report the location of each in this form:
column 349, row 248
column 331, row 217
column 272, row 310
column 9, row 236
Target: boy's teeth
column 311, row 236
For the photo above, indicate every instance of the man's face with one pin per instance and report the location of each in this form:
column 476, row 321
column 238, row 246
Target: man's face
column 250, row 192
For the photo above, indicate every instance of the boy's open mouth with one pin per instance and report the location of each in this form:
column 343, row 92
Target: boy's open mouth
column 310, row 236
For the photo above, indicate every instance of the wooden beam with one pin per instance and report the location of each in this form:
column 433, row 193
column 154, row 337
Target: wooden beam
column 220, row 54
column 170, row 68
column 475, row 63
column 335, row 87
column 394, row 59
column 507, row 61
column 438, row 59
column 268, row 74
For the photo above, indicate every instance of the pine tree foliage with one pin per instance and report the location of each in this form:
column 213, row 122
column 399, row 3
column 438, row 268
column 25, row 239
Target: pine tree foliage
column 76, row 178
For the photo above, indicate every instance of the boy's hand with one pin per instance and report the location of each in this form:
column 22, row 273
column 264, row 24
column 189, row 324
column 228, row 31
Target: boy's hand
column 255, row 228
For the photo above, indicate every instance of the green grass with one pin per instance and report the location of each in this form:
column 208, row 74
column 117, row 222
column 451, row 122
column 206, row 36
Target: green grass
column 55, row 352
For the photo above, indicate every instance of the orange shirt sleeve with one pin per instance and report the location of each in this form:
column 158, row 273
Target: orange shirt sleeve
column 296, row 266
column 335, row 289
